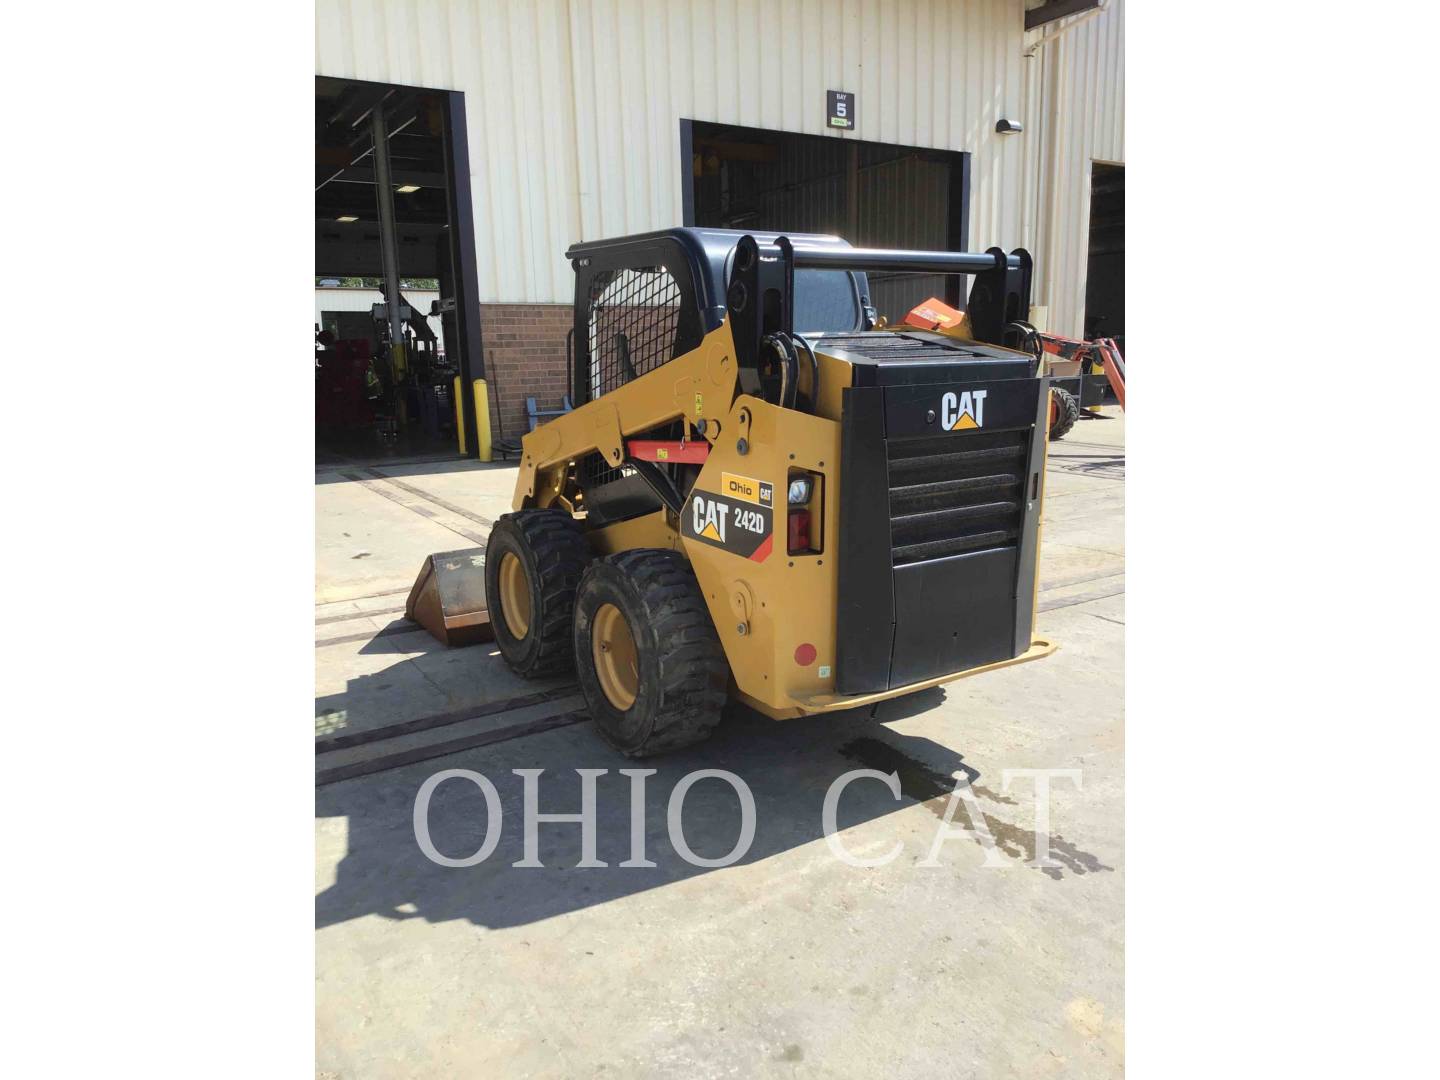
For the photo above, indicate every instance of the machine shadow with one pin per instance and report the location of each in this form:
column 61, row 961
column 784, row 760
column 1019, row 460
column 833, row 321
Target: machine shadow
column 424, row 677
column 788, row 767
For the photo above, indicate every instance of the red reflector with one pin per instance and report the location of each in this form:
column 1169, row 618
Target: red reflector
column 799, row 531
column 805, row 654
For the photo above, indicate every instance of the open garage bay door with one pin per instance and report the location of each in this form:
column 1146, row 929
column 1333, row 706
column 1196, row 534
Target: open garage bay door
column 1105, row 268
column 398, row 353
column 872, row 194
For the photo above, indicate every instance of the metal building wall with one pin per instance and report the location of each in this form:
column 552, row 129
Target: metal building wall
column 512, row 61
column 573, row 106
column 1076, row 115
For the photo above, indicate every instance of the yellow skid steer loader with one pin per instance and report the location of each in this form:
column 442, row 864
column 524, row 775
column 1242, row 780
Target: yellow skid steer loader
column 760, row 493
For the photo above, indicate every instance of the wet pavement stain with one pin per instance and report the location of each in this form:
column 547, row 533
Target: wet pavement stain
column 932, row 788
column 993, row 796
column 917, row 780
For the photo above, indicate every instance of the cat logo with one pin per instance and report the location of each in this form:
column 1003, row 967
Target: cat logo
column 967, row 410
column 735, row 525
column 709, row 517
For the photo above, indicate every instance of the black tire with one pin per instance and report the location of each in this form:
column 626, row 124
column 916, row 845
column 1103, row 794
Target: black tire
column 553, row 554
column 1067, row 411
column 682, row 671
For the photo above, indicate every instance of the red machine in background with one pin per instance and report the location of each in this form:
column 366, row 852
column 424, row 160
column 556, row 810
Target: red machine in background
column 387, row 394
column 1079, row 373
column 343, row 384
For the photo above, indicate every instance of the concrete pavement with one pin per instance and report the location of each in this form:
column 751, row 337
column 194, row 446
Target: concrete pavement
column 788, row 962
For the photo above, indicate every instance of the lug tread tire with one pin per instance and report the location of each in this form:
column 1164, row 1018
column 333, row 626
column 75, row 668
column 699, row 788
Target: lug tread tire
column 693, row 673
column 560, row 554
column 1069, row 412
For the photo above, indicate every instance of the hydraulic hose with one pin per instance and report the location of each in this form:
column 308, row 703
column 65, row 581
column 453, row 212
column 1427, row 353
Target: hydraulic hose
column 789, row 367
column 814, row 372
column 1030, row 339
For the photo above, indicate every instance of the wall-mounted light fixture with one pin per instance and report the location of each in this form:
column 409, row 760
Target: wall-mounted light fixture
column 1008, row 127
column 347, row 217
column 406, row 189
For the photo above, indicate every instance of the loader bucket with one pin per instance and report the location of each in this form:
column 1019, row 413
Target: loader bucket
column 448, row 598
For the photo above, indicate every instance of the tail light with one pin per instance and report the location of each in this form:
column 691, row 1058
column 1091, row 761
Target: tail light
column 803, row 499
column 799, row 531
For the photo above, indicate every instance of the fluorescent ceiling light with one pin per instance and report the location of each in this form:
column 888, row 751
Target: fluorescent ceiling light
column 347, row 217
column 406, row 189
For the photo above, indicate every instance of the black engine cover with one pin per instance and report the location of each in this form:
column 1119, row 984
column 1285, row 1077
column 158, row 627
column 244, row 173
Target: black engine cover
column 944, row 579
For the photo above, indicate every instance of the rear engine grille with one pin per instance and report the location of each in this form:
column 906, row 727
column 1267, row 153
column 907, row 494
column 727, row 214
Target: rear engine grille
column 953, row 494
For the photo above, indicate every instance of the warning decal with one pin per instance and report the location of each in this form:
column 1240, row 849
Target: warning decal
column 739, row 526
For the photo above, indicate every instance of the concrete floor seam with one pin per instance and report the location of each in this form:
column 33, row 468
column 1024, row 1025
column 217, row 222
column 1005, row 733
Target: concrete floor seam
column 445, row 749
column 367, row 596
column 393, row 630
column 427, row 723
column 1086, row 599
column 373, row 485
column 352, row 616
column 419, row 493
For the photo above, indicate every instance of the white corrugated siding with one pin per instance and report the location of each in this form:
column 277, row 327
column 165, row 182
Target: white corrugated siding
column 1081, row 77
column 573, row 106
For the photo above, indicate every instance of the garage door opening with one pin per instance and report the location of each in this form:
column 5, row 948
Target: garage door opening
column 871, row 194
column 1105, row 270
column 397, row 327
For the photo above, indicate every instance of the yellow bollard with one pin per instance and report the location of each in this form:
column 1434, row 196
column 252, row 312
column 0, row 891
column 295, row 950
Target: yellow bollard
column 459, row 416
column 482, row 420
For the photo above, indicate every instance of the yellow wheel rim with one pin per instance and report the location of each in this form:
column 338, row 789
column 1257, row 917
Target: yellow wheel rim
column 514, row 596
column 616, row 664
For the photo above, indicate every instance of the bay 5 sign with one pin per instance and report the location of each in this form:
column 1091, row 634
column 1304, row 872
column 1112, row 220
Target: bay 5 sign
column 840, row 109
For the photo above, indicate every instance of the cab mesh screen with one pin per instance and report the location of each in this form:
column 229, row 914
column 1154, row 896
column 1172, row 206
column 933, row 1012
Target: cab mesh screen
column 634, row 321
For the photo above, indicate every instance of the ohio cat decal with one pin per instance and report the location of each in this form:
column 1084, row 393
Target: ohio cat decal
column 739, row 525
column 744, row 487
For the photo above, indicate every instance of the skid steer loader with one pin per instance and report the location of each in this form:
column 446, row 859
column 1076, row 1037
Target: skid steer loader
column 759, row 493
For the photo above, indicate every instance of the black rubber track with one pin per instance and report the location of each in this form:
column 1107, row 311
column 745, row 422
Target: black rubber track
column 553, row 550
column 1068, row 412
column 683, row 671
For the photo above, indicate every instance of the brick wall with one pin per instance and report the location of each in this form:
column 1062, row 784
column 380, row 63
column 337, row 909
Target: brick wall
column 524, row 357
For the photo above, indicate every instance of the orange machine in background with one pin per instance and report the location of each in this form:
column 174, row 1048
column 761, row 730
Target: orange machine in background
column 1079, row 372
